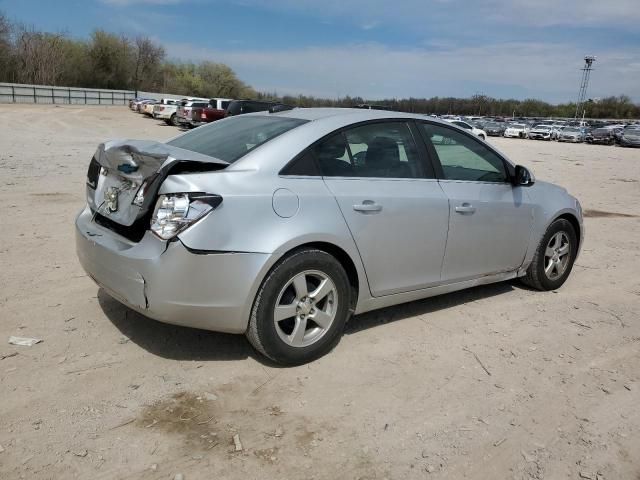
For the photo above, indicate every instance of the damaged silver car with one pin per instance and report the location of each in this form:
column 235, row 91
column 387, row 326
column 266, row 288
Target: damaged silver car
column 283, row 225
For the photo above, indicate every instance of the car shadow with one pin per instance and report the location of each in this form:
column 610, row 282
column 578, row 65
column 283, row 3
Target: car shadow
column 182, row 343
column 425, row 306
column 172, row 341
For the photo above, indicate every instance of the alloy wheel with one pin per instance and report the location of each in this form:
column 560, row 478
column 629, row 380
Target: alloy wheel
column 557, row 255
column 306, row 308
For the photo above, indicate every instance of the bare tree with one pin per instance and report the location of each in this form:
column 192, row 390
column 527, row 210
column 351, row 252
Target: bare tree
column 148, row 62
column 40, row 56
column 6, row 49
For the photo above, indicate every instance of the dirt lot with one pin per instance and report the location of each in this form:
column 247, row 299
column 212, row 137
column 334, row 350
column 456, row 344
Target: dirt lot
column 111, row 394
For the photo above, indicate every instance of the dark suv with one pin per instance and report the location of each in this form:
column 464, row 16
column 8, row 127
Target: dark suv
column 238, row 107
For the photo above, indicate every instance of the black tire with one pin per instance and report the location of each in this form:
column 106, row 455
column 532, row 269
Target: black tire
column 482, row 137
column 262, row 331
column 536, row 276
column 174, row 120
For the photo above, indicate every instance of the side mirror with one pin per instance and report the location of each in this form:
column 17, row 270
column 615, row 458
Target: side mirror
column 523, row 177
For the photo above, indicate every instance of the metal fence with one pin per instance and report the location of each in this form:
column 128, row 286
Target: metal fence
column 19, row 93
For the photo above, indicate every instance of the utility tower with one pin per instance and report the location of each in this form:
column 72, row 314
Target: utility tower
column 586, row 72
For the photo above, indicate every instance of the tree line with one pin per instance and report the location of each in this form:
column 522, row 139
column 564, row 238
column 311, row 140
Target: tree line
column 108, row 60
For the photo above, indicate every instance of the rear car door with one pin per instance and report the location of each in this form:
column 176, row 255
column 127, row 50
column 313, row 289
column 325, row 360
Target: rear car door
column 490, row 219
column 395, row 209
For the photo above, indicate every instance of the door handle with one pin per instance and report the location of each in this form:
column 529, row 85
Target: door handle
column 465, row 208
column 368, row 206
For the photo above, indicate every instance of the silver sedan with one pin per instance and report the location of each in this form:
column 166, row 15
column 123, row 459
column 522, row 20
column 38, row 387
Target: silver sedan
column 283, row 225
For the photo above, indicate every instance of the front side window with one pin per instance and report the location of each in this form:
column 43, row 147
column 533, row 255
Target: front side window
column 233, row 138
column 464, row 158
column 378, row 150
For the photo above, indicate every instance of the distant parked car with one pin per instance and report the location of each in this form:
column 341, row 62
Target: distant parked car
column 556, row 131
column 630, row 136
column 165, row 108
column 603, row 135
column 168, row 112
column 541, row 132
column 216, row 110
column 617, row 132
column 183, row 112
column 147, row 109
column 238, row 107
column 572, row 134
column 138, row 103
column 476, row 131
column 516, row 130
column 134, row 101
column 495, row 129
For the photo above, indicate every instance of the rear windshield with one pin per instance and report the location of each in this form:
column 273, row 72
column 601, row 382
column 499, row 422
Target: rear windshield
column 234, row 137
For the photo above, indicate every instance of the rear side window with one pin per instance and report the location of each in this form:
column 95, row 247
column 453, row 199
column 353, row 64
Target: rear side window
column 302, row 166
column 233, row 138
column 377, row 150
column 334, row 158
column 224, row 105
column 464, row 158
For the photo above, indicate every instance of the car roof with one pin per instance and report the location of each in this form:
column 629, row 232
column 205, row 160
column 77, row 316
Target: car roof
column 312, row 114
column 317, row 123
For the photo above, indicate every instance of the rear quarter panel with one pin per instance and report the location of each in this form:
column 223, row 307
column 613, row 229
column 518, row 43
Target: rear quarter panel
column 246, row 220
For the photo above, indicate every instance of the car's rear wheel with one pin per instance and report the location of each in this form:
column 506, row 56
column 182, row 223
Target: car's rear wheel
column 301, row 308
column 553, row 260
column 174, row 120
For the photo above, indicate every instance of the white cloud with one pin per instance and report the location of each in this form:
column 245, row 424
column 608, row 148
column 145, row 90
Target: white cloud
column 456, row 13
column 519, row 70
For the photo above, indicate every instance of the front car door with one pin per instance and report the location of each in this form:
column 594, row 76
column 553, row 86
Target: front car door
column 490, row 219
column 395, row 209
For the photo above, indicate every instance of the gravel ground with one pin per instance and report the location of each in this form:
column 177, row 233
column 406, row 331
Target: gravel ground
column 111, row 394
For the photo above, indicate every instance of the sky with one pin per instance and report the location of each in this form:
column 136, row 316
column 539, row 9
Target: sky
column 380, row 48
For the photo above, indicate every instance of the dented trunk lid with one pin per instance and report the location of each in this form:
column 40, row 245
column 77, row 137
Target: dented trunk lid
column 123, row 169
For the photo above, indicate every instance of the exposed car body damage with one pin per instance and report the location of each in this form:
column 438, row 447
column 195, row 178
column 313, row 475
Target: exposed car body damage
column 129, row 166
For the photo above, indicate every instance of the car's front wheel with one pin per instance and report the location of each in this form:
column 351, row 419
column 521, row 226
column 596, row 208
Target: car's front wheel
column 301, row 308
column 553, row 260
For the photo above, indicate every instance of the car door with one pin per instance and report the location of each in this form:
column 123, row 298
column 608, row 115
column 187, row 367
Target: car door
column 490, row 219
column 394, row 207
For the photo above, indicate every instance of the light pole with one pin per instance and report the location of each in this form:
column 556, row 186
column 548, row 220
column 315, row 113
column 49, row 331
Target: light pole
column 586, row 72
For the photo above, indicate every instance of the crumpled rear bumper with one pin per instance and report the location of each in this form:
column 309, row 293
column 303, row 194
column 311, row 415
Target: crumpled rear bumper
column 167, row 282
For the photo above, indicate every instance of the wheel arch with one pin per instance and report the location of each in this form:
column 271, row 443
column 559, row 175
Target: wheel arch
column 339, row 254
column 575, row 223
column 347, row 255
